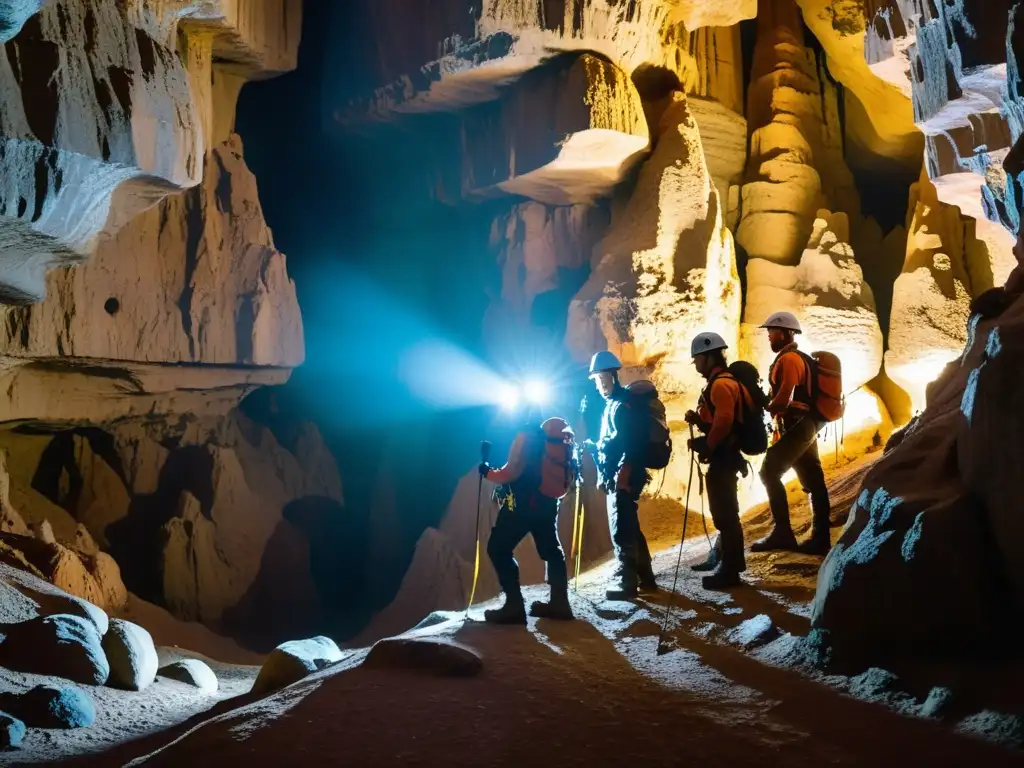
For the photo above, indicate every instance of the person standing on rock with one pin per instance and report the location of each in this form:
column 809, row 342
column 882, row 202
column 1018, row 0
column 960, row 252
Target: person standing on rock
column 797, row 446
column 539, row 471
column 720, row 411
column 621, row 474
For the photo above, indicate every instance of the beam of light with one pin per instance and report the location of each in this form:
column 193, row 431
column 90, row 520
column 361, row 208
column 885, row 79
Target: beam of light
column 442, row 375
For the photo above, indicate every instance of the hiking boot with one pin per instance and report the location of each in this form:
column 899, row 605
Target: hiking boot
column 512, row 612
column 557, row 608
column 779, row 538
column 648, row 585
column 622, row 592
column 722, row 579
column 818, row 544
column 710, row 562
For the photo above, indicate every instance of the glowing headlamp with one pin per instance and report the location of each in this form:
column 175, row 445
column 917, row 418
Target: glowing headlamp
column 533, row 391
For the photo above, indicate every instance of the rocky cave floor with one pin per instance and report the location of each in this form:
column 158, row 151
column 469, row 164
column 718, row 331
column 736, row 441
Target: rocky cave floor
column 732, row 688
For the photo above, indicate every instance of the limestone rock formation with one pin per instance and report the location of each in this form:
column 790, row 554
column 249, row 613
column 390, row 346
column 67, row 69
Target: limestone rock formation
column 594, row 131
column 85, row 154
column 194, row 279
column 796, row 164
column 951, row 62
column 931, row 297
column 665, row 255
column 458, row 53
column 542, row 252
column 41, row 597
column 879, row 123
column 132, row 367
column 829, row 295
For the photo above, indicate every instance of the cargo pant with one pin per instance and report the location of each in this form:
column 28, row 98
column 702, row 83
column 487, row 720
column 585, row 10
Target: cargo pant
column 631, row 551
column 538, row 517
column 722, row 487
column 796, row 449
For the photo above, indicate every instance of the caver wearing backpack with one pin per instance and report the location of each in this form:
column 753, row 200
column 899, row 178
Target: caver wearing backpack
column 806, row 395
column 730, row 413
column 634, row 438
column 541, row 468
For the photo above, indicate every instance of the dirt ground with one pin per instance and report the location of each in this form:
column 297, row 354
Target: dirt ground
column 729, row 690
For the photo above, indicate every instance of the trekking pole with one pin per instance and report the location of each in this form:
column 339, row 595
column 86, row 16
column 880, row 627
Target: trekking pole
column 670, row 607
column 579, row 550
column 485, row 453
column 573, row 553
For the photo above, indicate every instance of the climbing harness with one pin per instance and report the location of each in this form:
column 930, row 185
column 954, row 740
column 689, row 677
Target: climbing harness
column 485, row 453
column 670, row 606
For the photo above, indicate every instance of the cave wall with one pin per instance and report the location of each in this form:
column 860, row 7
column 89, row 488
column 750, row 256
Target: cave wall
column 159, row 303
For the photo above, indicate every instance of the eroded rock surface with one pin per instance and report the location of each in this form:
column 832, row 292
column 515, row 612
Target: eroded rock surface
column 483, row 46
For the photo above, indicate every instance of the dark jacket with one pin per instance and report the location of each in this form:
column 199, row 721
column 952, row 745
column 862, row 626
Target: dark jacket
column 621, row 441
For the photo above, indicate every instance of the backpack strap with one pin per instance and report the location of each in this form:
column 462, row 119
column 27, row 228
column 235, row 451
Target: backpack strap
column 808, row 364
column 706, row 394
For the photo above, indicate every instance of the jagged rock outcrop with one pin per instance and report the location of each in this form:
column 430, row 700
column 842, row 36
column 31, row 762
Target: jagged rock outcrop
column 83, row 155
column 458, row 53
column 879, row 119
column 938, row 497
column 194, row 279
column 950, row 60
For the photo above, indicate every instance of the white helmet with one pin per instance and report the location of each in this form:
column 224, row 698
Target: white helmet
column 706, row 342
column 785, row 320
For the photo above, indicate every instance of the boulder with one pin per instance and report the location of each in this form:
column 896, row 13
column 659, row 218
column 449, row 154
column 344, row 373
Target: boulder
column 192, row 672
column 441, row 657
column 61, row 645
column 52, row 706
column 131, row 654
column 12, row 731
column 754, row 632
column 50, row 599
column 294, row 660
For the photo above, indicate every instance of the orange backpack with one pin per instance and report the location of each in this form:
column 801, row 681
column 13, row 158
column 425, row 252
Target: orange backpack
column 826, row 384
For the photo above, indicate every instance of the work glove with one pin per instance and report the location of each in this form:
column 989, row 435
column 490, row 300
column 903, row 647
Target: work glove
column 692, row 418
column 484, row 468
column 699, row 445
column 590, row 446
